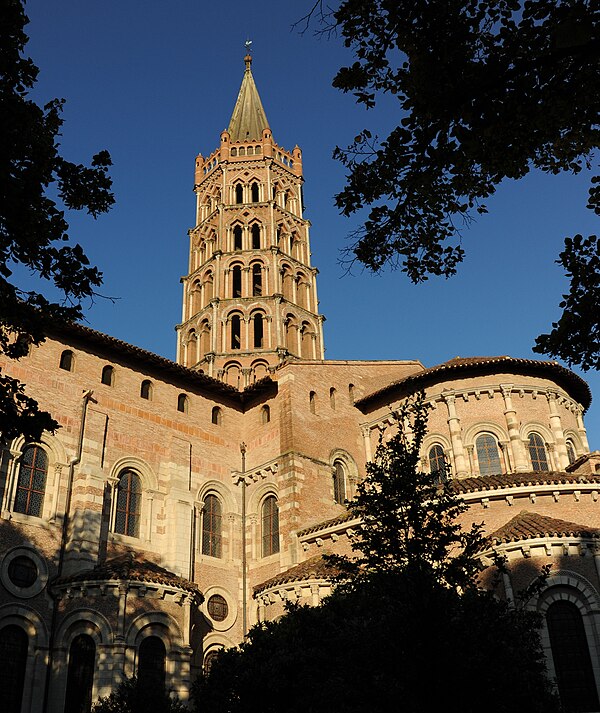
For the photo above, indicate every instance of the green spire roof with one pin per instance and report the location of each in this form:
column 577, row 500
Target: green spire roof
column 248, row 119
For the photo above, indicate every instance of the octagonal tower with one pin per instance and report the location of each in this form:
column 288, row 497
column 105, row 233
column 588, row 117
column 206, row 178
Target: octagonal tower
column 250, row 295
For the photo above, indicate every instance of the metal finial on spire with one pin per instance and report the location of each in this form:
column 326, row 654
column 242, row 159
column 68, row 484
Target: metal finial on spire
column 248, row 57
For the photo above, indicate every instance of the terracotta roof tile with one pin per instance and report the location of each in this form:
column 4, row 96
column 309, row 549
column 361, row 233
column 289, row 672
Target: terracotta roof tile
column 344, row 517
column 313, row 568
column 514, row 480
column 130, row 567
column 467, row 366
column 530, row 525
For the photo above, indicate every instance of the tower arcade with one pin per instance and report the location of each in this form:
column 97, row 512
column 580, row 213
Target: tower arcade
column 250, row 296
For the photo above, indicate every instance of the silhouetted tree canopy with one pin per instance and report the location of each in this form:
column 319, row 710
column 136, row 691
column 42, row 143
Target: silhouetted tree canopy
column 486, row 90
column 407, row 628
column 36, row 186
column 132, row 697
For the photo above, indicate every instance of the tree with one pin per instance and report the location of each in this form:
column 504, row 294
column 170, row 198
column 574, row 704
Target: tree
column 486, row 90
column 406, row 628
column 37, row 185
column 131, row 697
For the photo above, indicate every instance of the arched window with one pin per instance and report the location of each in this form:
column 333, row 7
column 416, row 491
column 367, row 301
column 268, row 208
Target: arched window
column 312, row 402
column 254, row 192
column 212, row 526
column 571, row 452
column 236, row 281
column 31, row 483
column 108, row 375
column 332, row 393
column 13, row 661
column 437, row 463
column 339, row 482
column 255, row 232
column 237, row 237
column 488, row 455
column 307, row 341
column 129, row 504
column 80, row 675
column 351, row 393
column 236, row 331
column 250, row 151
column 152, row 656
column 571, row 656
column 239, row 190
column 216, row 417
column 257, row 322
column 234, row 151
column 209, row 659
column 256, row 280
column 265, row 414
column 537, row 453
column 270, row 526
column 146, row 390
column 182, row 403
column 66, row 360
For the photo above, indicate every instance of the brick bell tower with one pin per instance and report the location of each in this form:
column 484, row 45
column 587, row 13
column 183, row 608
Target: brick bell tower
column 250, row 298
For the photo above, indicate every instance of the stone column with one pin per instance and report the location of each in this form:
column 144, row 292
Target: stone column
column 581, row 429
column 561, row 456
column 366, row 434
column 455, row 435
column 519, row 458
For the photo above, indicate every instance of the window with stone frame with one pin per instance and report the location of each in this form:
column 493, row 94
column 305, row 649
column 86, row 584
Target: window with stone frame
column 14, row 644
column 31, row 481
column 80, row 675
column 151, row 669
column 339, row 482
column 537, row 453
column 129, row 504
column 488, row 455
column 212, row 527
column 437, row 463
column 270, row 526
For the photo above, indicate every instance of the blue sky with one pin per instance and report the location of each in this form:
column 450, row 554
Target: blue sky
column 155, row 82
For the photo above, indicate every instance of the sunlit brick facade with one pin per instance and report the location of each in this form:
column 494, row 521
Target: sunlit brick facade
column 181, row 502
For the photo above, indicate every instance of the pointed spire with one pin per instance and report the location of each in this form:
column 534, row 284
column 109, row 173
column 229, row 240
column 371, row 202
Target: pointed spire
column 248, row 119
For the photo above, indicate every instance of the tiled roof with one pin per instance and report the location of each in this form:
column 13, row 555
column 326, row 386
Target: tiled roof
column 472, row 366
column 514, row 480
column 192, row 377
column 129, row 567
column 344, row 517
column 313, row 568
column 531, row 525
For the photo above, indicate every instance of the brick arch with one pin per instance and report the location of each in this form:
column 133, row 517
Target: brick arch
column 84, row 621
column 159, row 624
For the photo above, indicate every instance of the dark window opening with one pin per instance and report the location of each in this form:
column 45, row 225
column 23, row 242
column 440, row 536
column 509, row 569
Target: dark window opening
column 129, row 504
column 339, row 483
column 239, row 190
column 212, row 526
column 437, row 464
column 265, row 415
column 236, row 281
column 146, row 390
column 254, row 193
column 22, row 571
column 571, row 656
column 237, row 237
column 217, row 607
column 216, row 416
column 31, row 483
column 182, row 403
column 312, row 402
column 236, row 331
column 80, row 675
column 13, row 662
column 108, row 375
column 270, row 526
column 151, row 664
column 256, row 280
column 571, row 452
column 258, row 331
column 255, row 232
column 66, row 360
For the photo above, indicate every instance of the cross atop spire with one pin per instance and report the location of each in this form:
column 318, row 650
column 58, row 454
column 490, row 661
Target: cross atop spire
column 248, row 119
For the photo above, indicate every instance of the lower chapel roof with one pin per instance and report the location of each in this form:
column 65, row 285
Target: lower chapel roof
column 129, row 567
column 531, row 525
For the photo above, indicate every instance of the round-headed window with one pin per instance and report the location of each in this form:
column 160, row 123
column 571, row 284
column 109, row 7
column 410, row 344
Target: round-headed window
column 217, row 607
column 22, row 571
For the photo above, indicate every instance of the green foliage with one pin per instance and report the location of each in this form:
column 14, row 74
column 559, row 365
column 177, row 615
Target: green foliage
column 407, row 629
column 131, row 697
column 486, row 90
column 410, row 516
column 33, row 226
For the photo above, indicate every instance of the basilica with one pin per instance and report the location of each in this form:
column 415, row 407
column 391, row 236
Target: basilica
column 181, row 502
